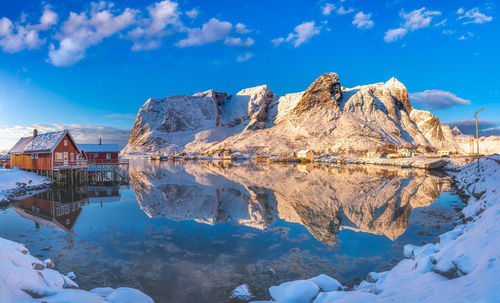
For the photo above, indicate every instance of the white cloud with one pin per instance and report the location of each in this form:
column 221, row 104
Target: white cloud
column 466, row 36
column 437, row 99
column 419, row 18
column 237, row 41
column 244, row 57
column 242, row 29
column 121, row 116
column 342, row 11
column 193, row 13
column 416, row 19
column 276, row 42
column 149, row 34
column 82, row 133
column 473, row 16
column 17, row 37
column 362, row 20
column 441, row 23
column 327, row 9
column 86, row 29
column 303, row 33
column 395, row 34
column 213, row 30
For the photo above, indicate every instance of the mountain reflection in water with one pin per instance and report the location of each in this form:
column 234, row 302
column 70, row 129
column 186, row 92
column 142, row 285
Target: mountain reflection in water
column 193, row 231
column 323, row 199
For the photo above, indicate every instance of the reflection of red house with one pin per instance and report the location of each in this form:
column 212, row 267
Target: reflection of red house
column 46, row 152
column 100, row 153
column 44, row 210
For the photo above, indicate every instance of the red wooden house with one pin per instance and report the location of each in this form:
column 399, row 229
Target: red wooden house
column 47, row 152
column 100, row 153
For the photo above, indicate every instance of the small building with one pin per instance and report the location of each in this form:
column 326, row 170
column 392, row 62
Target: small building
column 443, row 153
column 373, row 154
column 47, row 152
column 306, row 154
column 392, row 155
column 405, row 153
column 100, row 153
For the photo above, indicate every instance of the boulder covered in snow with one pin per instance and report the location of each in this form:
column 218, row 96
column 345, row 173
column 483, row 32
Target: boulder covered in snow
column 300, row 291
column 326, row 283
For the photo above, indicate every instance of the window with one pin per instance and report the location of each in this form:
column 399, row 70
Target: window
column 108, row 156
column 59, row 156
column 32, row 156
column 65, row 142
column 36, row 156
column 72, row 157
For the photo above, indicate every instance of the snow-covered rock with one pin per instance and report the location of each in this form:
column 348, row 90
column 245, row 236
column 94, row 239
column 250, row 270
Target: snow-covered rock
column 325, row 117
column 242, row 292
column 300, row 291
column 24, row 278
column 326, row 283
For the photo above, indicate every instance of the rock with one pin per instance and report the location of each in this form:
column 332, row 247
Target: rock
column 71, row 275
column 49, row 264
column 400, row 93
column 326, row 283
column 219, row 97
column 372, row 277
column 324, row 92
column 38, row 266
column 456, row 131
column 242, row 292
column 300, row 291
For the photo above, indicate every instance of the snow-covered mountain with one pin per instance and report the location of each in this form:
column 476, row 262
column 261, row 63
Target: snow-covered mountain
column 326, row 117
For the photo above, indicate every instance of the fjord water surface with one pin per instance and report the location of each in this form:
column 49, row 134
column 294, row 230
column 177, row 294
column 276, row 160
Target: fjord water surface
column 193, row 231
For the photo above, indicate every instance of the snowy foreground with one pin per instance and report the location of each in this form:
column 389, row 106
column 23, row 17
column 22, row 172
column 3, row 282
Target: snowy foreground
column 12, row 180
column 24, row 278
column 463, row 266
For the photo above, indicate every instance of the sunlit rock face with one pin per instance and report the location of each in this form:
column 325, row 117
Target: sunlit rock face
column 326, row 117
column 324, row 200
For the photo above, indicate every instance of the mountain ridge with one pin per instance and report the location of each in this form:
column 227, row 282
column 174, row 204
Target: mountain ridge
column 325, row 117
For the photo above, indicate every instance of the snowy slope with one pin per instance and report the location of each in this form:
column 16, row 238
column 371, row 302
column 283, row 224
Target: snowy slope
column 325, row 117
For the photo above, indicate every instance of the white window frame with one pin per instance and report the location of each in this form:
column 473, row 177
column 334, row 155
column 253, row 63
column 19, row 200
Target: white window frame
column 108, row 156
column 61, row 159
column 65, row 142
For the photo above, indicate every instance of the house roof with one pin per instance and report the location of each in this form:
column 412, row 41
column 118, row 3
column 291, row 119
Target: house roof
column 46, row 141
column 20, row 146
column 99, row 148
column 42, row 142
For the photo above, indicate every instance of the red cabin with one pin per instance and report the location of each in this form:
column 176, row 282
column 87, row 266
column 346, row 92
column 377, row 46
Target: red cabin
column 100, row 153
column 47, row 152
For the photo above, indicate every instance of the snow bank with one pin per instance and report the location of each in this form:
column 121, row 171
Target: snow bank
column 24, row 278
column 14, row 179
column 462, row 267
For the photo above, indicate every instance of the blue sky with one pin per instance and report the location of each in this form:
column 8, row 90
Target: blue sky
column 91, row 65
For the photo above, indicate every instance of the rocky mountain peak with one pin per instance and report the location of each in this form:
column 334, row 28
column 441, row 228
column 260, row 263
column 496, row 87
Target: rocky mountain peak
column 219, row 97
column 456, row 131
column 325, row 91
column 399, row 91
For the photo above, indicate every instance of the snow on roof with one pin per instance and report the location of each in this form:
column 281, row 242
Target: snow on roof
column 99, row 148
column 45, row 141
column 20, row 146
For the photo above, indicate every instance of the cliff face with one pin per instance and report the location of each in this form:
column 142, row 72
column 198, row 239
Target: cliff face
column 325, row 117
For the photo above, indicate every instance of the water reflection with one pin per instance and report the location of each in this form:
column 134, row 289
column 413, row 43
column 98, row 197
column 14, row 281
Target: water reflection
column 324, row 199
column 58, row 208
column 191, row 232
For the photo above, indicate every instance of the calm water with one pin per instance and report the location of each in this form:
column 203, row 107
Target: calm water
column 193, row 232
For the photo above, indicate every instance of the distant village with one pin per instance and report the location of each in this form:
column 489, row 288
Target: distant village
column 58, row 156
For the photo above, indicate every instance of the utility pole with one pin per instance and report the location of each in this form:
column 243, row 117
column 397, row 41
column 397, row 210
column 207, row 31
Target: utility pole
column 477, row 132
column 477, row 138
